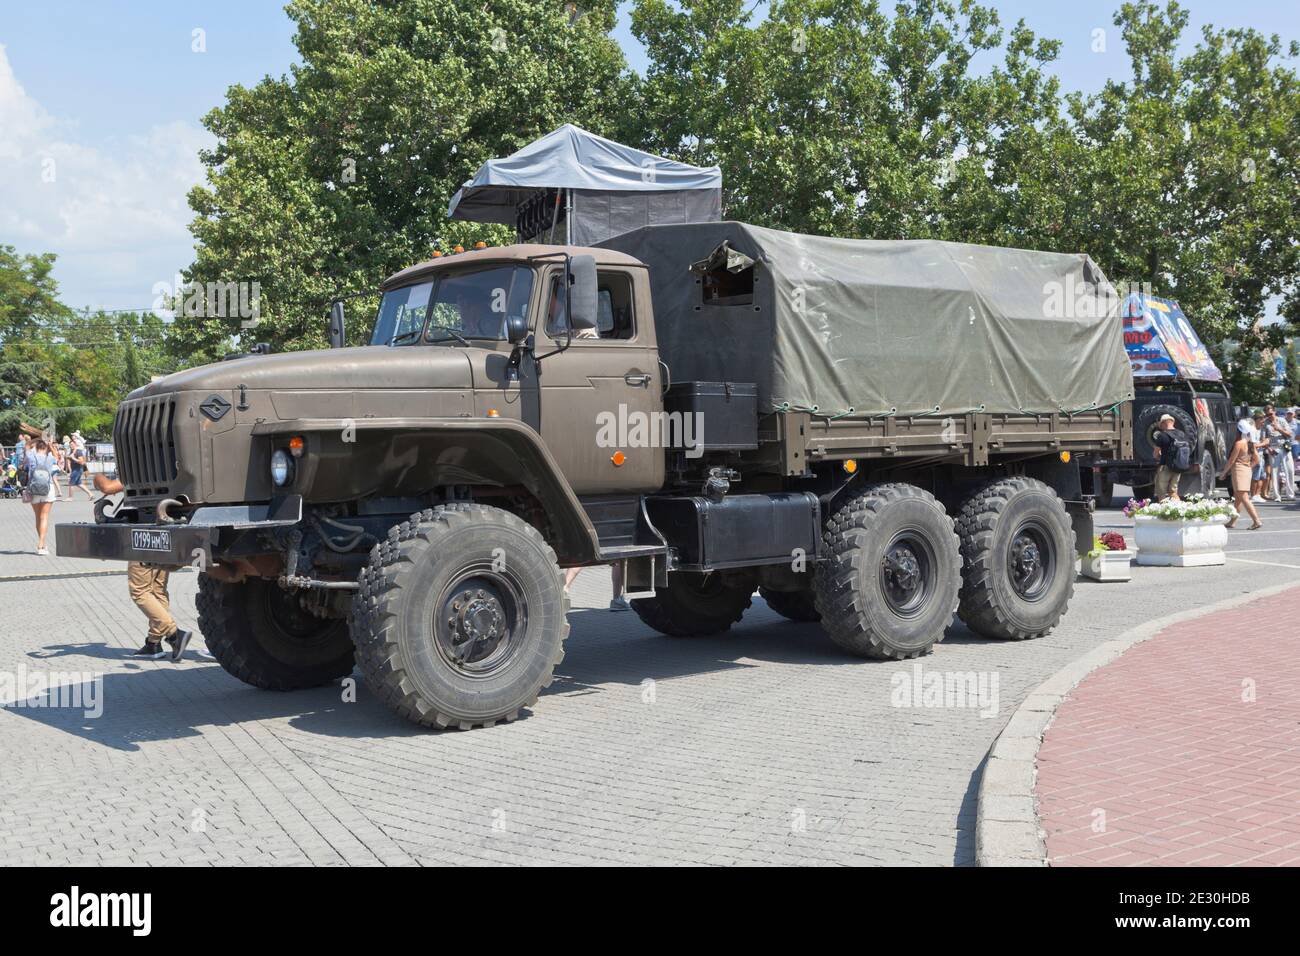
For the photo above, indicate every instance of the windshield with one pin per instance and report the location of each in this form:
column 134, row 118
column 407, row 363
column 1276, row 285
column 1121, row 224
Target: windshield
column 457, row 305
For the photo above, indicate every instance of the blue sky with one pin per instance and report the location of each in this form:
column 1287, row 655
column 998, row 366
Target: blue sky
column 107, row 94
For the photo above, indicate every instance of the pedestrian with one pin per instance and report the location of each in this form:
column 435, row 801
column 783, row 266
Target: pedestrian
column 77, row 465
column 1238, row 467
column 1282, row 481
column 619, row 602
column 147, row 585
column 39, row 491
column 1174, row 454
column 1259, row 463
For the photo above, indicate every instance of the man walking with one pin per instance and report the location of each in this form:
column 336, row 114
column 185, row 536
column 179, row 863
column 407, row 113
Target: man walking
column 147, row 586
column 1174, row 454
column 1282, row 481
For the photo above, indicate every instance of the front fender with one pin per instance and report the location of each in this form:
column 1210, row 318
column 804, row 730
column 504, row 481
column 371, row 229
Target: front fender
column 346, row 460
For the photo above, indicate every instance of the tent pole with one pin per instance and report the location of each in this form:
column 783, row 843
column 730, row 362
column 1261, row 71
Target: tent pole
column 555, row 216
column 568, row 217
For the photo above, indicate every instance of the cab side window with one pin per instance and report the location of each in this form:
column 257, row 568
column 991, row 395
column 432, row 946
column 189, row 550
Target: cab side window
column 614, row 311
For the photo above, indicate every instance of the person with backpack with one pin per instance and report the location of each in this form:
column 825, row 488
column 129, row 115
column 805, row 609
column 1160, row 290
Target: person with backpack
column 40, row 492
column 1174, row 451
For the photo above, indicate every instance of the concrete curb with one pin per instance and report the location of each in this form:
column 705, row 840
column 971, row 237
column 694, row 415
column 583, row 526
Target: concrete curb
column 1007, row 831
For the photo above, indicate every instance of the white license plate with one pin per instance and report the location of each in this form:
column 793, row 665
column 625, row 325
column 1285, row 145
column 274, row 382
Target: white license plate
column 151, row 541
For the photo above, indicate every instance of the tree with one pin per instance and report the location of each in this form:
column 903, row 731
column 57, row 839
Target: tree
column 325, row 181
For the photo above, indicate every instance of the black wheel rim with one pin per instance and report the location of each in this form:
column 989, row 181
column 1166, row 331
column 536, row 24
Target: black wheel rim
column 907, row 574
column 291, row 620
column 1031, row 561
column 479, row 621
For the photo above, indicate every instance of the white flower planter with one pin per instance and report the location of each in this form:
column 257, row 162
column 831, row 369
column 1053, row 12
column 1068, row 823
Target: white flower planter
column 1108, row 566
column 1180, row 544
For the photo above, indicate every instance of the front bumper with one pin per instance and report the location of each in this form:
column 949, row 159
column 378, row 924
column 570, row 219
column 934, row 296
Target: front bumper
column 198, row 541
column 170, row 545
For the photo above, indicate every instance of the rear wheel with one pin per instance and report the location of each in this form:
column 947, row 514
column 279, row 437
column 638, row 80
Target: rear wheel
column 888, row 584
column 1017, row 547
column 697, row 603
column 795, row 605
column 461, row 617
column 269, row 636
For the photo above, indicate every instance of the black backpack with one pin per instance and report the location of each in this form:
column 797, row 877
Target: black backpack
column 1180, row 452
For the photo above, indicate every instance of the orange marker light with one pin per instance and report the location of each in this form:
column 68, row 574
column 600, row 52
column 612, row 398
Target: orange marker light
column 296, row 445
column 1065, row 457
column 493, row 413
column 618, row 458
column 480, row 245
column 459, row 248
column 437, row 253
column 850, row 465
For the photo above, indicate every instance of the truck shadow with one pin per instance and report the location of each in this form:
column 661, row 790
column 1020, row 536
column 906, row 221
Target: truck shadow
column 143, row 701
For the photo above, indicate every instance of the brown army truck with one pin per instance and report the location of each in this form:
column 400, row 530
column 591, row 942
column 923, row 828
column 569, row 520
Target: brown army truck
column 869, row 434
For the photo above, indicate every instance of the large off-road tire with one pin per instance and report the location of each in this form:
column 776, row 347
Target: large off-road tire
column 1148, row 421
column 697, row 603
column 796, row 605
column 887, row 587
column 260, row 633
column 461, row 617
column 1017, row 545
column 1201, row 481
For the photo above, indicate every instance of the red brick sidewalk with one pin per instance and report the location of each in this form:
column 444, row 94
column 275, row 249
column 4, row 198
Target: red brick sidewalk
column 1185, row 750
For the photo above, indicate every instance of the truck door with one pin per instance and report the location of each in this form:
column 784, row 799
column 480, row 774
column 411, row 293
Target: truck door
column 601, row 398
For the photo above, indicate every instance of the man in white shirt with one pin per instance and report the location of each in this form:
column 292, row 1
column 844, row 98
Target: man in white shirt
column 1282, row 478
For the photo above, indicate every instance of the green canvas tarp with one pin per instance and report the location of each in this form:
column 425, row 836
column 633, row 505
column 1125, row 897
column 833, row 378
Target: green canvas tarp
column 863, row 328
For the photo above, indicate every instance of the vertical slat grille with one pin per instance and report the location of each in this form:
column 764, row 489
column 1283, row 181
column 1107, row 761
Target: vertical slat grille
column 145, row 445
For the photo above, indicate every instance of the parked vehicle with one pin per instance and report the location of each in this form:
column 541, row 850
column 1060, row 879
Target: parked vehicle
column 1175, row 376
column 871, row 434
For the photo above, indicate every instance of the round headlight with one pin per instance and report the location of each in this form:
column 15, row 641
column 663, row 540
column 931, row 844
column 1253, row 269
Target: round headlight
column 281, row 467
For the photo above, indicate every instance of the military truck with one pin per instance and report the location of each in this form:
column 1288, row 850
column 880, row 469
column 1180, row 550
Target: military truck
column 869, row 434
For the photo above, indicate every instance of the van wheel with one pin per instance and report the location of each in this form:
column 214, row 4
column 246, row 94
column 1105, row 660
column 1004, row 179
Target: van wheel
column 1017, row 546
column 461, row 617
column 697, row 603
column 795, row 605
column 261, row 633
column 888, row 585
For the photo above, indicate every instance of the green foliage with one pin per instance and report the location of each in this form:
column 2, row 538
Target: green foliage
column 326, row 181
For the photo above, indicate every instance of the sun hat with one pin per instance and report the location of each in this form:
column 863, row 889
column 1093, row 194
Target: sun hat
column 1168, row 418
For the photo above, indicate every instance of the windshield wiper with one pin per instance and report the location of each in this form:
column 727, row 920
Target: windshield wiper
column 449, row 331
column 402, row 337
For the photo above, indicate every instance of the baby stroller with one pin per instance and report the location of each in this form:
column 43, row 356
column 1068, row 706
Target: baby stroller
column 9, row 484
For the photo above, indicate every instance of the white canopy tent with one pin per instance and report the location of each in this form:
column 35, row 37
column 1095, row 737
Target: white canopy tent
column 588, row 187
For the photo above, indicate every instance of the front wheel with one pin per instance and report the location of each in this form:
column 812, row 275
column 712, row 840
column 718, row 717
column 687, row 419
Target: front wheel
column 270, row 637
column 461, row 617
column 1017, row 547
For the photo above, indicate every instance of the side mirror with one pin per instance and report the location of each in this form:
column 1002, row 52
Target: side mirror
column 516, row 328
column 582, row 293
column 337, row 325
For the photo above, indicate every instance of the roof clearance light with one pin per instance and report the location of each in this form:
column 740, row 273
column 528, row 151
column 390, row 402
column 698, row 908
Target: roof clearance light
column 459, row 248
column 493, row 413
column 480, row 244
column 437, row 253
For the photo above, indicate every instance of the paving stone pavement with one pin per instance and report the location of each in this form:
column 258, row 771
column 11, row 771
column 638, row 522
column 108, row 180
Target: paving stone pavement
column 766, row 745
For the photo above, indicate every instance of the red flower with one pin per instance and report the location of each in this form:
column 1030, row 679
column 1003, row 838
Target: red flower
column 1113, row 541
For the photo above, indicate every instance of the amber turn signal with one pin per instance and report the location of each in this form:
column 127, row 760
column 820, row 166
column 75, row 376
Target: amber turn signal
column 296, row 445
column 850, row 465
column 1065, row 457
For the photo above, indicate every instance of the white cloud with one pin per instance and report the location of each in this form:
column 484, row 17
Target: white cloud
column 115, row 214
